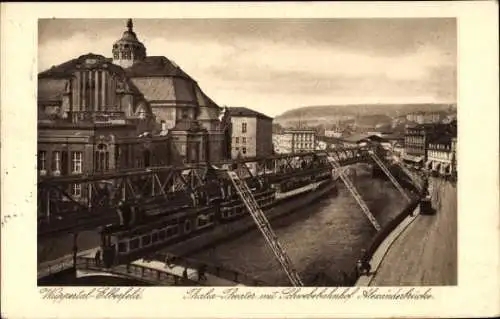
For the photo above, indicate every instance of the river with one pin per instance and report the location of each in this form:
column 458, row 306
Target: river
column 326, row 237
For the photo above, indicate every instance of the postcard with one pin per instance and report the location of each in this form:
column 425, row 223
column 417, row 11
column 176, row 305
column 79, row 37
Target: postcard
column 250, row 160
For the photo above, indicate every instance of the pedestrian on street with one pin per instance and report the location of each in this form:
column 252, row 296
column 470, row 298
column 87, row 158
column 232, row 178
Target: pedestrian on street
column 185, row 273
column 97, row 257
column 201, row 273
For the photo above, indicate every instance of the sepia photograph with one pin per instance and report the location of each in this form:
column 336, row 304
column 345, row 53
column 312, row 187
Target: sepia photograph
column 249, row 160
column 297, row 152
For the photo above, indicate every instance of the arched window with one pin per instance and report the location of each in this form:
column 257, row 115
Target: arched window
column 101, row 162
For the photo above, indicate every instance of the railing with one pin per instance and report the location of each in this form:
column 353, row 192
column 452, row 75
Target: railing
column 133, row 271
column 97, row 116
column 216, row 270
column 58, row 266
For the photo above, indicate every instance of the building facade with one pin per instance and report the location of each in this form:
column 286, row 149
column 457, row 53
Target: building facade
column 280, row 145
column 335, row 132
column 98, row 114
column 299, row 140
column 251, row 133
column 430, row 143
column 441, row 156
column 424, row 117
column 416, row 140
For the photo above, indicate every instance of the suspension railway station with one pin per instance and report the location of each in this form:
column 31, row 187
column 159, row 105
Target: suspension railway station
column 140, row 212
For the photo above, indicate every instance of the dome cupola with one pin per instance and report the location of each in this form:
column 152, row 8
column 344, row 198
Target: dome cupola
column 128, row 48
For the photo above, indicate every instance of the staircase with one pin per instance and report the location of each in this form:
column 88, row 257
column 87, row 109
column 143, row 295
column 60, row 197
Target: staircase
column 354, row 193
column 264, row 226
column 388, row 173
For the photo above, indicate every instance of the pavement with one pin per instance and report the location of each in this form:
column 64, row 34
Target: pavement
column 422, row 251
column 384, row 248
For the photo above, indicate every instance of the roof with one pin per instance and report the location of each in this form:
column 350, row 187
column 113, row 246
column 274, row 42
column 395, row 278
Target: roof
column 155, row 77
column 177, row 90
column 208, row 114
column 66, row 69
column 299, row 130
column 393, row 137
column 156, row 66
column 356, row 137
column 246, row 112
column 331, row 140
column 51, row 89
column 443, row 139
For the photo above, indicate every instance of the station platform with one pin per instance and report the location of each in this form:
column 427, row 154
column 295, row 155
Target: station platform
column 422, row 250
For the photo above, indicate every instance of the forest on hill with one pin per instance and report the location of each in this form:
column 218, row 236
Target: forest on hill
column 367, row 114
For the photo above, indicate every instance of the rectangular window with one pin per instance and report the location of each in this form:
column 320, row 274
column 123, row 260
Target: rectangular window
column 122, row 247
column 65, row 163
column 243, row 127
column 76, row 190
column 236, row 140
column 175, row 230
column 161, row 234
column 146, row 240
column 244, row 150
column 76, row 163
column 56, row 161
column 134, row 243
column 42, row 160
column 244, row 140
column 154, row 237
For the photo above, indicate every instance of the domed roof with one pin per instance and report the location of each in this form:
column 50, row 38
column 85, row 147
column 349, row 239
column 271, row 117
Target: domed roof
column 129, row 36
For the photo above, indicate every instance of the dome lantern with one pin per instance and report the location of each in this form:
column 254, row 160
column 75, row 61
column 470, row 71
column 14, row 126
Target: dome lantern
column 128, row 49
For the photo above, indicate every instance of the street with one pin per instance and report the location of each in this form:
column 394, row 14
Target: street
column 426, row 252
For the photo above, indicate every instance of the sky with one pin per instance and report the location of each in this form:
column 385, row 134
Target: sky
column 274, row 65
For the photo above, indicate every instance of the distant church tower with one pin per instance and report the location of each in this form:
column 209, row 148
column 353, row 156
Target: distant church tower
column 128, row 49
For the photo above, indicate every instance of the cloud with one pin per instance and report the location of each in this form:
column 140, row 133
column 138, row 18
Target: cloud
column 274, row 73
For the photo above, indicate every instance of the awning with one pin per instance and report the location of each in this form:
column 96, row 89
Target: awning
column 445, row 168
column 428, row 165
column 411, row 158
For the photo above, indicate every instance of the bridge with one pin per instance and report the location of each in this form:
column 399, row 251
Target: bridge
column 156, row 189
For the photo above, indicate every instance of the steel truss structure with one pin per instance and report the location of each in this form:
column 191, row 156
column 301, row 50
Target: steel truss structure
column 78, row 202
column 264, row 226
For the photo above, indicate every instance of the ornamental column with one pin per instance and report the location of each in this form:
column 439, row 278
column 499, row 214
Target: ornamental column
column 96, row 90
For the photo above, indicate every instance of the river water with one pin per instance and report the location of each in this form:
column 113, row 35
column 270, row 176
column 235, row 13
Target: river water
column 326, row 237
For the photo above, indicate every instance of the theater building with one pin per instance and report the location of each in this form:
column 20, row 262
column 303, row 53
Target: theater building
column 98, row 114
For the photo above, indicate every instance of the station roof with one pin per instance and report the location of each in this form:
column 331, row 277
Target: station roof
column 356, row 138
column 332, row 140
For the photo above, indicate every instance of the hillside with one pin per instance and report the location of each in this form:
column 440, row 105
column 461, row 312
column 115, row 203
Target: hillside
column 368, row 114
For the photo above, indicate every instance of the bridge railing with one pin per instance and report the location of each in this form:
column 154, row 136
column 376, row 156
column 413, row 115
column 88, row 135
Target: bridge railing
column 144, row 273
column 60, row 210
column 216, row 270
column 55, row 267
